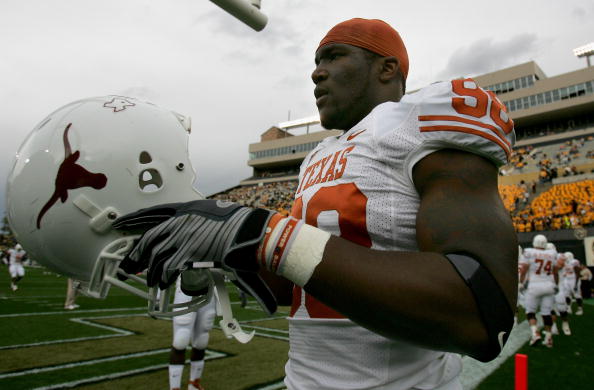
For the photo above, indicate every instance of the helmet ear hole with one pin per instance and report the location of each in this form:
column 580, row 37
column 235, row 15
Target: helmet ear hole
column 150, row 180
column 145, row 158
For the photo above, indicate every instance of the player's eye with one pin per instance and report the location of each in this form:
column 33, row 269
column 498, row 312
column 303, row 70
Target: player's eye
column 334, row 56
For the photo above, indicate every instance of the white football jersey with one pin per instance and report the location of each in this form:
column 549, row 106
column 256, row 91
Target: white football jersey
column 569, row 268
column 541, row 264
column 15, row 256
column 359, row 186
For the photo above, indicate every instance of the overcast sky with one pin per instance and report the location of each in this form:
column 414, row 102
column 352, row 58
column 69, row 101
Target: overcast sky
column 192, row 57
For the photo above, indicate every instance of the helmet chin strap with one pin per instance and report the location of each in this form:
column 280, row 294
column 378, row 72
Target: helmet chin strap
column 229, row 324
column 159, row 301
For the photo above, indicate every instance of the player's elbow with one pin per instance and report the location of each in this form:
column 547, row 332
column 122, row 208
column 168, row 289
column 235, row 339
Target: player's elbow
column 490, row 336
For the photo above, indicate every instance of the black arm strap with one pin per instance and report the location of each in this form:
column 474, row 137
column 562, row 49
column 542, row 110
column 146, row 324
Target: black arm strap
column 495, row 312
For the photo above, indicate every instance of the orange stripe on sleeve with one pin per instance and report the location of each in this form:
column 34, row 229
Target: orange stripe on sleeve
column 469, row 121
column 468, row 130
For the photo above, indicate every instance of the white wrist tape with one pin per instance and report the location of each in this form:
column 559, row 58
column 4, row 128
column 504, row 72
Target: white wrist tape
column 294, row 250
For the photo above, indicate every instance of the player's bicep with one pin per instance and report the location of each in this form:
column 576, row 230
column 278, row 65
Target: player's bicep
column 461, row 211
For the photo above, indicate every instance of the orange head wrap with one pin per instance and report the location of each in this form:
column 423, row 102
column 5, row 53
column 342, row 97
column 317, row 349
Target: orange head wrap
column 372, row 34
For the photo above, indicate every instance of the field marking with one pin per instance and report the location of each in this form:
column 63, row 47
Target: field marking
column 474, row 372
column 209, row 356
column 85, row 363
column 84, row 321
column 119, row 332
column 70, row 312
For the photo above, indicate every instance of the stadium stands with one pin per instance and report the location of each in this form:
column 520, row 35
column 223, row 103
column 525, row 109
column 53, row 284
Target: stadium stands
column 275, row 196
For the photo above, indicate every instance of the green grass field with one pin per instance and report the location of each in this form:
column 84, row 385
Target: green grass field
column 113, row 344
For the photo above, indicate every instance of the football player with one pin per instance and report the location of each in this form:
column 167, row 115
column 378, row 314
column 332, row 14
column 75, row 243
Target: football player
column 521, row 286
column 189, row 329
column 388, row 217
column 16, row 256
column 71, row 294
column 539, row 263
column 571, row 283
column 559, row 306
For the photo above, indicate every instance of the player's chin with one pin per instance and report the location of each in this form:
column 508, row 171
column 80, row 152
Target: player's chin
column 328, row 119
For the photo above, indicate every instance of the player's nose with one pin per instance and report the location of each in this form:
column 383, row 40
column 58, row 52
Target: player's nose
column 319, row 74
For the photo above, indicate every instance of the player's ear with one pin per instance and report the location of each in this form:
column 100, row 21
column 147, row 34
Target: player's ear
column 389, row 68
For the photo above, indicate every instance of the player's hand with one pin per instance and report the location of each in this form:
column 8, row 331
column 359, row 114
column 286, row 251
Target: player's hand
column 202, row 230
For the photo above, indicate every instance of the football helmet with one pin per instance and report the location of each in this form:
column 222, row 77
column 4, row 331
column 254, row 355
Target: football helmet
column 539, row 241
column 568, row 256
column 550, row 246
column 83, row 166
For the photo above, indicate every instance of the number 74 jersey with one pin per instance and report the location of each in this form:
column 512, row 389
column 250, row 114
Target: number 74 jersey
column 359, row 185
column 541, row 264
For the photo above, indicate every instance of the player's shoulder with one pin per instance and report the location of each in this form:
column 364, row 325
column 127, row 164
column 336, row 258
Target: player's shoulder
column 460, row 114
column 575, row 262
column 532, row 251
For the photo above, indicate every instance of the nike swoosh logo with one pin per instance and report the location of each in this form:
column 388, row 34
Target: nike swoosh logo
column 350, row 137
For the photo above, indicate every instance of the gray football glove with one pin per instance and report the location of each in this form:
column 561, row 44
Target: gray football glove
column 177, row 234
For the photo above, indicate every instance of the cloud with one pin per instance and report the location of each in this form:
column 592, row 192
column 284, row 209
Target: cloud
column 486, row 55
column 583, row 15
column 139, row 92
column 283, row 35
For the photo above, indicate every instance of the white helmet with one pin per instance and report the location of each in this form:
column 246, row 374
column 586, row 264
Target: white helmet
column 18, row 247
column 550, row 246
column 539, row 241
column 568, row 256
column 83, row 166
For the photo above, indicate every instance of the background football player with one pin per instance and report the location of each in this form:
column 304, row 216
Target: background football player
column 16, row 256
column 539, row 265
column 190, row 329
column 571, row 283
column 560, row 305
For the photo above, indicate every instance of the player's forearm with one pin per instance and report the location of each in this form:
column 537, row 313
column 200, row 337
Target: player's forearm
column 411, row 296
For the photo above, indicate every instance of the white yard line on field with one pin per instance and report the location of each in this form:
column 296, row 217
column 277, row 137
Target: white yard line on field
column 119, row 332
column 209, row 356
column 64, row 312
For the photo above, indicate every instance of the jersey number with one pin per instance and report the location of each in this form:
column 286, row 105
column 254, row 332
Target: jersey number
column 482, row 104
column 350, row 204
column 547, row 266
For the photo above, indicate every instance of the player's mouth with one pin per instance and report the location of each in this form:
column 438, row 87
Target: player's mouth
column 321, row 96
